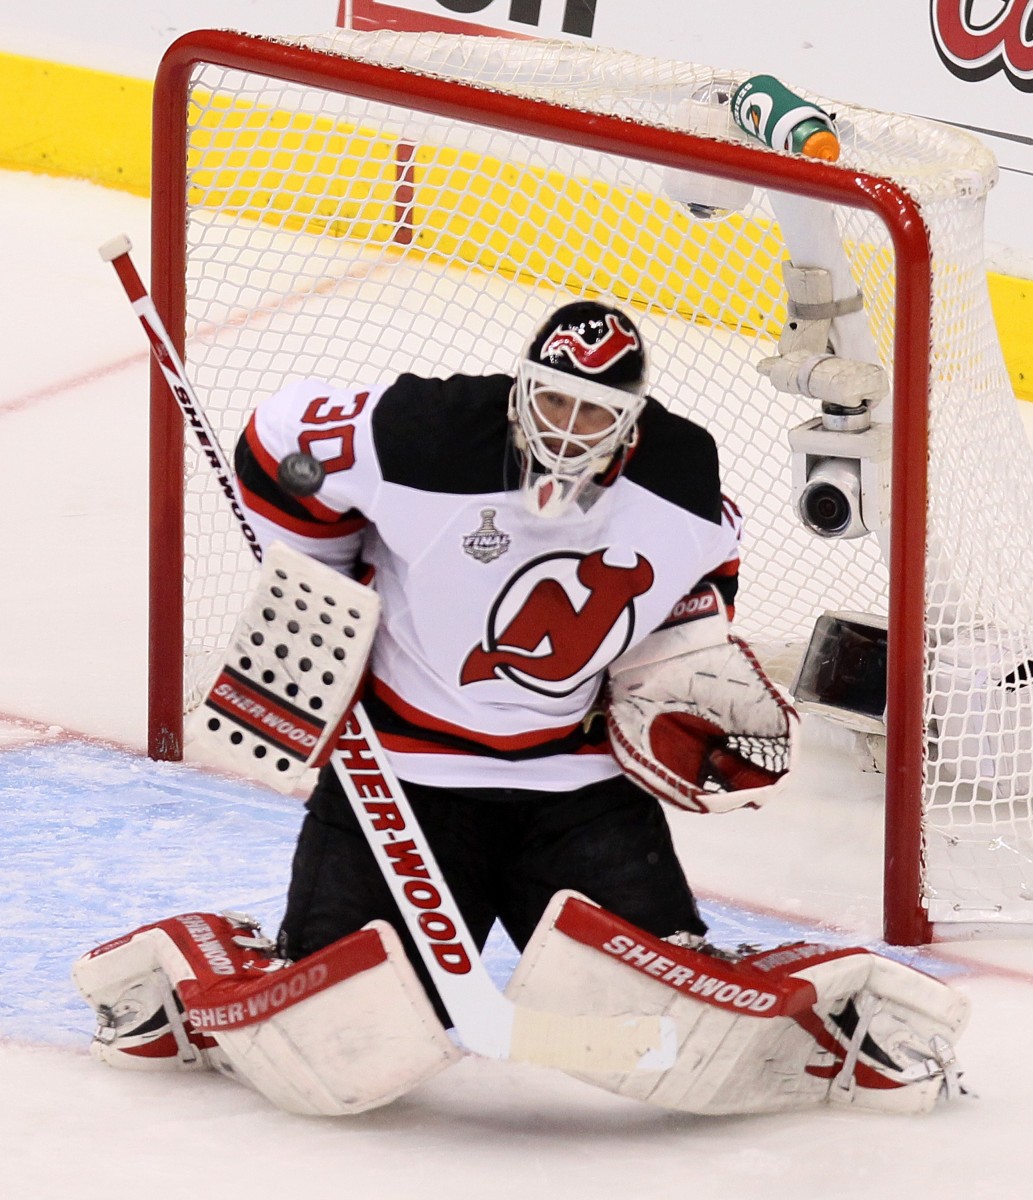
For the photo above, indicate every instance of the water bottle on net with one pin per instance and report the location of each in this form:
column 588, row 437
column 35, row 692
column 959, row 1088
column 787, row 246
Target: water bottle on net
column 769, row 111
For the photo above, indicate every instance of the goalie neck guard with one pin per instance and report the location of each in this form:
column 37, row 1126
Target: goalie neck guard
column 580, row 387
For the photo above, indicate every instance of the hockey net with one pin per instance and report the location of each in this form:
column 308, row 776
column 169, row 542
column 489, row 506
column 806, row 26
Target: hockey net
column 349, row 206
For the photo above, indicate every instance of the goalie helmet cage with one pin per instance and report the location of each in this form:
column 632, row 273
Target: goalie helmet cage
column 352, row 205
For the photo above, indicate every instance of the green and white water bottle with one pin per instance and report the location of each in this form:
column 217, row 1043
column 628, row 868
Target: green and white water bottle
column 769, row 111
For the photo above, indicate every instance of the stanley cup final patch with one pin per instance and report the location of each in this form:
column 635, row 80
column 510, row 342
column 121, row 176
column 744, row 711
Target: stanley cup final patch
column 486, row 543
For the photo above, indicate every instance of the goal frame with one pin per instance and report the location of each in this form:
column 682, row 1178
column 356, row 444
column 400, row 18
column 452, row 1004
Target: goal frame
column 905, row 919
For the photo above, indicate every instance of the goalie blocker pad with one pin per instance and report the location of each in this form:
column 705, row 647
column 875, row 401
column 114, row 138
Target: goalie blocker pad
column 692, row 717
column 786, row 1029
column 295, row 660
column 347, row 1029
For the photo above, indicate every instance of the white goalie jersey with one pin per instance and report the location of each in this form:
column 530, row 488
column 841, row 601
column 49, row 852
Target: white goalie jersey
column 497, row 625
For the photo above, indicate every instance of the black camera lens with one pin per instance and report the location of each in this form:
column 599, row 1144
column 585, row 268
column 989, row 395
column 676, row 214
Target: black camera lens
column 826, row 509
column 830, row 502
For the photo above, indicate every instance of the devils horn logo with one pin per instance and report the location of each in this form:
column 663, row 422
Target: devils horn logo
column 975, row 49
column 594, row 357
column 558, row 622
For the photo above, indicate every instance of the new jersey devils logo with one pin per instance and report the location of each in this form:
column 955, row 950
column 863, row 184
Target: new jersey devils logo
column 558, row 621
column 974, row 48
column 596, row 356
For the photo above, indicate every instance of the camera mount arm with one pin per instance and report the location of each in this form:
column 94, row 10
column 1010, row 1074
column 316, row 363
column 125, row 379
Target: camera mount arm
column 805, row 365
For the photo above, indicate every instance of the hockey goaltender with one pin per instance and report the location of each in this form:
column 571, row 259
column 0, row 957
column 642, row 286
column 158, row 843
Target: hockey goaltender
column 543, row 658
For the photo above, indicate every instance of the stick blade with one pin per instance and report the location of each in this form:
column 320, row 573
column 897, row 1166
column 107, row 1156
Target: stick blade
column 594, row 1043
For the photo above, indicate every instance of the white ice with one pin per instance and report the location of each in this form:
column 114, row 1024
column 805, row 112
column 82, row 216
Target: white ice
column 97, row 839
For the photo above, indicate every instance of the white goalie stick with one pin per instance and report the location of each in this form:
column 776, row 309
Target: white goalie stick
column 486, row 1022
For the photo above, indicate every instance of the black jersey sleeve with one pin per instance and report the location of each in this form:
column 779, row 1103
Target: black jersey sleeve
column 677, row 460
column 445, row 435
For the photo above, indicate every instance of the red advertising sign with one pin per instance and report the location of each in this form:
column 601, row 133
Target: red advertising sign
column 974, row 49
column 501, row 18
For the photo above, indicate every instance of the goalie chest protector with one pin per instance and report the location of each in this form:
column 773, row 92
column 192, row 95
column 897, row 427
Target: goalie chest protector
column 498, row 624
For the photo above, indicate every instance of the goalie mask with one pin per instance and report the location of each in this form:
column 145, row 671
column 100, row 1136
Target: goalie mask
column 580, row 387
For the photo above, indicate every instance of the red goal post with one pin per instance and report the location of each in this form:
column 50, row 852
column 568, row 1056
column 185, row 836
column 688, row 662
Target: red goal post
column 206, row 179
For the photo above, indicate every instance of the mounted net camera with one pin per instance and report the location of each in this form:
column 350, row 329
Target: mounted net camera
column 840, row 473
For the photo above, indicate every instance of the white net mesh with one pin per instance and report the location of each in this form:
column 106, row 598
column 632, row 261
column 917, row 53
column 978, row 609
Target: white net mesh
column 332, row 236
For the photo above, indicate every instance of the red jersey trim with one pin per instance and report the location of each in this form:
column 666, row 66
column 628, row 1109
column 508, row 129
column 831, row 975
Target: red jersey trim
column 728, row 568
column 532, row 739
column 409, row 745
column 295, row 525
column 271, row 465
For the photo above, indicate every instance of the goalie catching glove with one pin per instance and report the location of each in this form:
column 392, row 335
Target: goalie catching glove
column 692, row 717
column 296, row 658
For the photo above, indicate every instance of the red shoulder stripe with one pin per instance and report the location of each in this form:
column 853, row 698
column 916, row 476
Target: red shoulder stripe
column 271, row 465
column 310, row 529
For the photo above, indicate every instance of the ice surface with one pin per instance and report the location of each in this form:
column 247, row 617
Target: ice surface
column 96, row 839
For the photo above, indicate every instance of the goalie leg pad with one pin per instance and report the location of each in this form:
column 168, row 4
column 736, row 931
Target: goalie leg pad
column 892, row 1030
column 130, row 984
column 347, row 1029
column 792, row 1029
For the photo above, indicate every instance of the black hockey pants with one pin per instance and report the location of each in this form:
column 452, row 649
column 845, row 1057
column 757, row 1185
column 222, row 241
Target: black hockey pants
column 504, row 854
